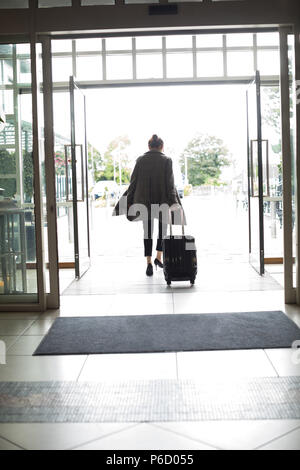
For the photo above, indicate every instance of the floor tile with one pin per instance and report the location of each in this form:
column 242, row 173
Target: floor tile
column 232, row 435
column 289, row 442
column 142, row 304
column 25, row 346
column 116, row 367
column 40, row 327
column 38, row 368
column 285, row 361
column 36, row 436
column 14, row 327
column 224, row 364
column 85, row 305
column 145, row 437
column 5, row 445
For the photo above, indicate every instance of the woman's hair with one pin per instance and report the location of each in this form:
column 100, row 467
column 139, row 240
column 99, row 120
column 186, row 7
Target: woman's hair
column 155, row 142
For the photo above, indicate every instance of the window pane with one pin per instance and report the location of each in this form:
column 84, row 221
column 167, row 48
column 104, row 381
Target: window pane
column 89, row 68
column 54, row 3
column 62, row 69
column 210, row 64
column 209, row 40
column 240, row 64
column 61, row 45
column 268, row 62
column 6, row 72
column 179, row 65
column 149, row 42
column 23, row 49
column 149, row 66
column 5, row 49
column 93, row 44
column 268, row 39
column 119, row 67
column 24, row 71
column 179, row 42
column 141, row 1
column 14, row 4
column 86, row 3
column 8, row 101
column 118, row 44
column 239, row 40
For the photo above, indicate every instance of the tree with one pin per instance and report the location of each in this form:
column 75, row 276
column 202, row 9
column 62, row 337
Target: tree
column 115, row 153
column 206, row 156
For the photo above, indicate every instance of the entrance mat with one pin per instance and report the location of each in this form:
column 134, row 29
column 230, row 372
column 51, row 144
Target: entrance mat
column 153, row 400
column 169, row 333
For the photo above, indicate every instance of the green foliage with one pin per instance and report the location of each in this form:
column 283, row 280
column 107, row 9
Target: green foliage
column 206, row 156
column 8, row 167
column 28, row 176
column 116, row 150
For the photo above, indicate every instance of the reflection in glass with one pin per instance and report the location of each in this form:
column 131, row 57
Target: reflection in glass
column 14, row 4
column 119, row 67
column 54, row 3
column 180, row 65
column 209, row 64
column 149, row 66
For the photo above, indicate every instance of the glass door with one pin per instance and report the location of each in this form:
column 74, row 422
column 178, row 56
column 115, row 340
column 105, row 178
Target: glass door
column 77, row 184
column 258, row 168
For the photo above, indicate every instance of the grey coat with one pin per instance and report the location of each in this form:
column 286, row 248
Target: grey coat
column 151, row 185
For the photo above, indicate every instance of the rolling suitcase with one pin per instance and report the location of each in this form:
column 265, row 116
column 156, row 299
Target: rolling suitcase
column 180, row 256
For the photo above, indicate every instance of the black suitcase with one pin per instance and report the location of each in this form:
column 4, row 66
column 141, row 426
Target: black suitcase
column 180, row 257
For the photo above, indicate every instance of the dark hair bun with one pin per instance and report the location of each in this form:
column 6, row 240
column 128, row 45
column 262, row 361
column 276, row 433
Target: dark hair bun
column 155, row 142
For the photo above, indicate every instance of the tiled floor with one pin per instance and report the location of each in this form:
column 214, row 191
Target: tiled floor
column 223, row 287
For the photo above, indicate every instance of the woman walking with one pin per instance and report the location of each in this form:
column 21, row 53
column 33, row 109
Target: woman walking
column 152, row 188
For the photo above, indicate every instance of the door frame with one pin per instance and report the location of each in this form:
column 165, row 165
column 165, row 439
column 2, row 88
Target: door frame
column 53, row 299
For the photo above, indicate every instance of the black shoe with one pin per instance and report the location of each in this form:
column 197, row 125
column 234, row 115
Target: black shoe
column 149, row 271
column 158, row 263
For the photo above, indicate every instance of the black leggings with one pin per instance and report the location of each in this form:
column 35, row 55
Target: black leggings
column 148, row 226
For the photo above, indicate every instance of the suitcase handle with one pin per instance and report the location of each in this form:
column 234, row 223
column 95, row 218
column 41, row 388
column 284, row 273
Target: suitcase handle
column 182, row 221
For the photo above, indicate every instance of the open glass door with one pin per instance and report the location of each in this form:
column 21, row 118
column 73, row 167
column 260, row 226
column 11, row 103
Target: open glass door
column 77, row 179
column 257, row 175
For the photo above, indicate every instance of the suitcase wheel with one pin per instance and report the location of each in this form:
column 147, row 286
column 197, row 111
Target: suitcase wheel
column 169, row 283
column 192, row 282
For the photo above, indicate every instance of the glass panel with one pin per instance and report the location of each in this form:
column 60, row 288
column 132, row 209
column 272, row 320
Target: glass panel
column 176, row 42
column 119, row 67
column 5, row 49
column 54, row 3
column 180, row 65
column 149, row 42
column 86, row 3
column 239, row 40
column 141, row 1
column 6, row 71
column 24, row 71
column 291, row 43
column 89, row 68
column 18, row 273
column 23, row 49
column 240, row 63
column 118, row 44
column 268, row 62
column 85, row 45
column 65, row 231
column 14, row 4
column 149, row 65
column 210, row 64
column 209, row 40
column 61, row 45
column 268, row 39
column 62, row 69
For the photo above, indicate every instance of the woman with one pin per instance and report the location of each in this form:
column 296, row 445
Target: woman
column 151, row 195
